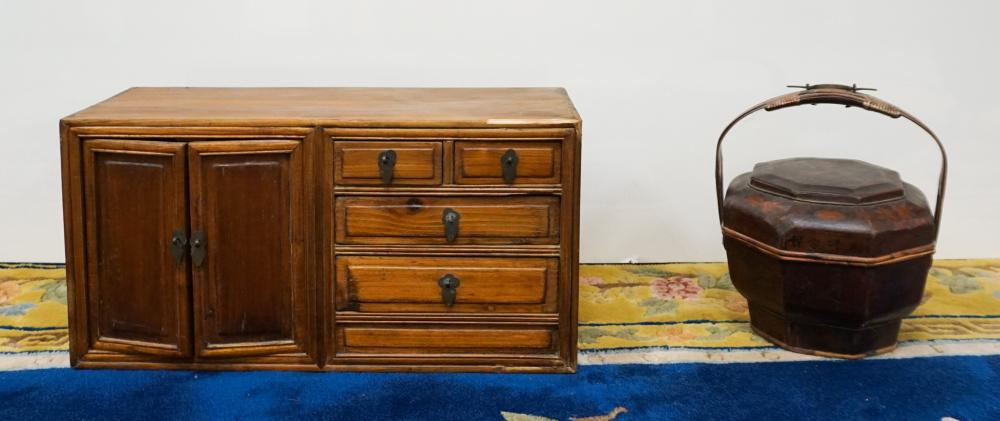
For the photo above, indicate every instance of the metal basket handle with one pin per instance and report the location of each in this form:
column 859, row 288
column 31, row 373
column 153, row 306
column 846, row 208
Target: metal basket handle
column 833, row 94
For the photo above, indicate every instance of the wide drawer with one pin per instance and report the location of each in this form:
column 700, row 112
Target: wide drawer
column 387, row 163
column 444, row 339
column 447, row 220
column 525, row 162
column 414, row 284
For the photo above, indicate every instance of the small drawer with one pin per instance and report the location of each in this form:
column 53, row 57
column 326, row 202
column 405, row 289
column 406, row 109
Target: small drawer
column 444, row 339
column 447, row 220
column 387, row 163
column 507, row 162
column 447, row 284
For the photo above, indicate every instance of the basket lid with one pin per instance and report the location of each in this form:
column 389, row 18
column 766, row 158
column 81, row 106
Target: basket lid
column 827, row 180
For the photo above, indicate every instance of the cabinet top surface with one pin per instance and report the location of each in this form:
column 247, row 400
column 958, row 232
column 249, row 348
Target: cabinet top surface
column 351, row 107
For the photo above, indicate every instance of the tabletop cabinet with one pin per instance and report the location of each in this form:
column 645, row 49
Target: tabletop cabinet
column 323, row 229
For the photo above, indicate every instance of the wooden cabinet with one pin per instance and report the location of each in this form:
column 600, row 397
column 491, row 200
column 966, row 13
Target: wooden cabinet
column 323, row 229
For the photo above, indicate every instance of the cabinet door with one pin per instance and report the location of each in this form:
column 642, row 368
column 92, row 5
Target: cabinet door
column 248, row 259
column 137, row 290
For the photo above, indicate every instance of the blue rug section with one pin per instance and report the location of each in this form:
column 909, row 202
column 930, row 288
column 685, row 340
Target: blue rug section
column 966, row 388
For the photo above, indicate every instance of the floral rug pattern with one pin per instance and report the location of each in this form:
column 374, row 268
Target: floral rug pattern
column 33, row 313
column 622, row 307
column 695, row 306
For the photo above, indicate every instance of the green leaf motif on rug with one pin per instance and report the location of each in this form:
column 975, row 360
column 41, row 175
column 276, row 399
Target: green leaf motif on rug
column 55, row 291
column 981, row 273
column 721, row 332
column 591, row 335
column 655, row 306
column 653, row 271
column 957, row 283
column 707, row 281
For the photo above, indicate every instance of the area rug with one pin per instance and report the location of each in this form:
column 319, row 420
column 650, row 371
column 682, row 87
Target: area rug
column 646, row 313
column 962, row 388
column 691, row 313
column 663, row 341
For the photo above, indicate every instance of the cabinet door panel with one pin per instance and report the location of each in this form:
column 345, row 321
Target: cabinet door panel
column 137, row 291
column 249, row 289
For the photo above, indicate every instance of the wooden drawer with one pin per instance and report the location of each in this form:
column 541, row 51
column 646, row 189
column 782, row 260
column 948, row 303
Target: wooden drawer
column 421, row 220
column 410, row 284
column 401, row 339
column 413, row 163
column 483, row 162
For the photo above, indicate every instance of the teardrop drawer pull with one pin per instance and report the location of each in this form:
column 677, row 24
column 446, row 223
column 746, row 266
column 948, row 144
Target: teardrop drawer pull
column 509, row 163
column 450, row 220
column 449, row 289
column 386, row 164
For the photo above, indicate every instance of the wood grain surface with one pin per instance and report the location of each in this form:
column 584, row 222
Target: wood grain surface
column 418, row 220
column 347, row 107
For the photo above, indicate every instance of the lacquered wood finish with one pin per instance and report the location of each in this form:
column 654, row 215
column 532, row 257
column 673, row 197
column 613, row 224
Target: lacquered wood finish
column 831, row 254
column 312, row 261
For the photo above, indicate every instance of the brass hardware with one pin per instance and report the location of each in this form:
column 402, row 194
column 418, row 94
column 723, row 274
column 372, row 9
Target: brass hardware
column 386, row 163
column 450, row 219
column 177, row 243
column 509, row 163
column 449, row 289
column 198, row 248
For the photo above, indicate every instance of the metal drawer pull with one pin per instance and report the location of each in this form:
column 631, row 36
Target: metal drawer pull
column 177, row 243
column 449, row 289
column 509, row 164
column 198, row 248
column 450, row 219
column 386, row 163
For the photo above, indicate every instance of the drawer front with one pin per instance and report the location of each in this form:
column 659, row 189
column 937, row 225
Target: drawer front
column 444, row 339
column 411, row 163
column 484, row 162
column 422, row 220
column 413, row 284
